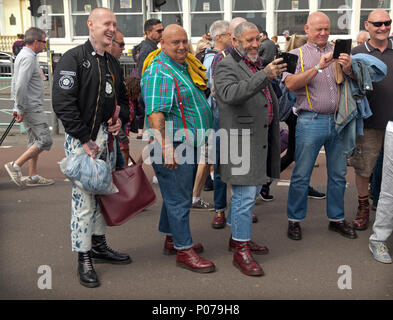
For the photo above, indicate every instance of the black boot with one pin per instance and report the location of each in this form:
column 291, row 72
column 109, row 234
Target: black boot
column 87, row 274
column 101, row 253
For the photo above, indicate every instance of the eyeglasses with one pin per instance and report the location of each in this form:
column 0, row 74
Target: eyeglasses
column 379, row 24
column 43, row 41
column 121, row 44
column 160, row 30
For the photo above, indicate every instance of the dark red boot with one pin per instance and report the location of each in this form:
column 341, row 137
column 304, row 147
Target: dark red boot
column 254, row 247
column 190, row 260
column 244, row 261
column 169, row 248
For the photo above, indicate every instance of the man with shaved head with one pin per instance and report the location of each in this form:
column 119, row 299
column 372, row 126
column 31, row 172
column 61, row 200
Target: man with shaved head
column 175, row 106
column 316, row 92
column 368, row 146
column 87, row 89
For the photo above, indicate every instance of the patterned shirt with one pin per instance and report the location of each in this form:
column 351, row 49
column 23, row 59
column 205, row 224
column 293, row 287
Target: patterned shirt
column 322, row 88
column 255, row 67
column 160, row 95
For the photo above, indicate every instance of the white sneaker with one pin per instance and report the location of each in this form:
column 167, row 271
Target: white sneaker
column 16, row 175
column 40, row 181
column 380, row 251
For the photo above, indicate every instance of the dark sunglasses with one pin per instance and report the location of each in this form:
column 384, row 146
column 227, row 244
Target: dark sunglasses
column 43, row 41
column 160, row 30
column 121, row 44
column 379, row 24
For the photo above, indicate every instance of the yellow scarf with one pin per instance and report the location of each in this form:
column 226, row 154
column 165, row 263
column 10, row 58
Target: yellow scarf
column 195, row 68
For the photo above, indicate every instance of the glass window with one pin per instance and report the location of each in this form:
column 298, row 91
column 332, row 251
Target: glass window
column 291, row 15
column 55, row 11
column 241, row 8
column 339, row 13
column 80, row 12
column 129, row 16
column 374, row 4
column 371, row 5
column 169, row 13
column 203, row 14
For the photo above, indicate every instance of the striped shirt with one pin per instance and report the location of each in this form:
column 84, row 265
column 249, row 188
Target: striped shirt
column 160, row 95
column 322, row 88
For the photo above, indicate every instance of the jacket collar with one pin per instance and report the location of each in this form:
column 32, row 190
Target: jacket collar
column 236, row 56
column 91, row 51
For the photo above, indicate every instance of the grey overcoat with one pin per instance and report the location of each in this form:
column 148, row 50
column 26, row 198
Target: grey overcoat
column 244, row 123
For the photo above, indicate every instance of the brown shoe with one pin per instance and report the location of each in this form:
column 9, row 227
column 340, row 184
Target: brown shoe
column 169, row 248
column 190, row 260
column 244, row 261
column 219, row 220
column 254, row 247
column 361, row 220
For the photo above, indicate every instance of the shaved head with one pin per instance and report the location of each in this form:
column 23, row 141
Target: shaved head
column 378, row 35
column 318, row 28
column 376, row 14
column 102, row 27
column 174, row 43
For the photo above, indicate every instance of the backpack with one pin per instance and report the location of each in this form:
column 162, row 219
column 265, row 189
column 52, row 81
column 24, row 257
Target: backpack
column 202, row 54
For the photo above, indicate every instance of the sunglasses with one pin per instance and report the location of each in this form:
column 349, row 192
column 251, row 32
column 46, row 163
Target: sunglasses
column 379, row 24
column 43, row 41
column 121, row 44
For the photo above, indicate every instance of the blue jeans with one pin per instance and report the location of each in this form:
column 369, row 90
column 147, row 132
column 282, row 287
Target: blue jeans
column 313, row 131
column 240, row 211
column 176, row 187
column 220, row 187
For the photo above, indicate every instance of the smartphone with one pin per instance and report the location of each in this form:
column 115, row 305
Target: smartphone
column 290, row 59
column 342, row 46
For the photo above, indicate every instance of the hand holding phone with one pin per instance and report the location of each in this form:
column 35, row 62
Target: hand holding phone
column 342, row 46
column 290, row 59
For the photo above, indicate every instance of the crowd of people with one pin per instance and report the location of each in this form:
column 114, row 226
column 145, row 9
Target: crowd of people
column 235, row 83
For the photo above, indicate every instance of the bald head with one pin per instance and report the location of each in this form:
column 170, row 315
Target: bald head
column 318, row 28
column 174, row 42
column 362, row 37
column 378, row 33
column 234, row 23
column 102, row 27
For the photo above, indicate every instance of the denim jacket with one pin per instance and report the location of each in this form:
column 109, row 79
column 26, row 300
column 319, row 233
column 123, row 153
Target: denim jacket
column 353, row 105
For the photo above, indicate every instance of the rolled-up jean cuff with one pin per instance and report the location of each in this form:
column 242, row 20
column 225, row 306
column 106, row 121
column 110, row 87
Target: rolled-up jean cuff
column 166, row 233
column 336, row 220
column 241, row 240
column 184, row 247
column 295, row 220
column 221, row 210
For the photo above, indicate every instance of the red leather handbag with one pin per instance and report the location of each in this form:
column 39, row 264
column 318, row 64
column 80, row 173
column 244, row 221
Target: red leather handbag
column 135, row 194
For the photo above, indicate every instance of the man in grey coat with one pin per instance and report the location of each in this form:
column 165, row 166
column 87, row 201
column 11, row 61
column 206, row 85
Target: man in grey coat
column 248, row 111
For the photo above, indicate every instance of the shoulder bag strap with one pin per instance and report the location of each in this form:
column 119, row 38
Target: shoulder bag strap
column 301, row 63
column 180, row 101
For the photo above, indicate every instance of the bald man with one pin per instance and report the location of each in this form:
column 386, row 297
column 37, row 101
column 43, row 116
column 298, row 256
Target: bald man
column 87, row 88
column 369, row 145
column 170, row 119
column 316, row 94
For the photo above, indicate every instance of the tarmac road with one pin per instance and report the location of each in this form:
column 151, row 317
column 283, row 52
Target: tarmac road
column 35, row 232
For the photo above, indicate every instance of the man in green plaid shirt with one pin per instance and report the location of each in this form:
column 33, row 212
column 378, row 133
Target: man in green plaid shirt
column 176, row 180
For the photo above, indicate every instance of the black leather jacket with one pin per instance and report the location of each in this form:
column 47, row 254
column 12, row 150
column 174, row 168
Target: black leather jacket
column 78, row 93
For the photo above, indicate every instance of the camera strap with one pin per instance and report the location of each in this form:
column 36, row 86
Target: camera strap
column 301, row 64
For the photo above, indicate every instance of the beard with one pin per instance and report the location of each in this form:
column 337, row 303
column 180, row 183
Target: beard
column 245, row 53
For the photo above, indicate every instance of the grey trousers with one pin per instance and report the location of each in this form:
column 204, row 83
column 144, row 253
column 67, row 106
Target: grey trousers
column 383, row 225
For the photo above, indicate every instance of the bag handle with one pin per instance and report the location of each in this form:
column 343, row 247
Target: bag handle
column 301, row 64
column 180, row 100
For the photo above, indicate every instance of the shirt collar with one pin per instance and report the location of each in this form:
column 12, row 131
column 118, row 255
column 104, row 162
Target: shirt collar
column 370, row 48
column 173, row 62
column 27, row 48
column 311, row 45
